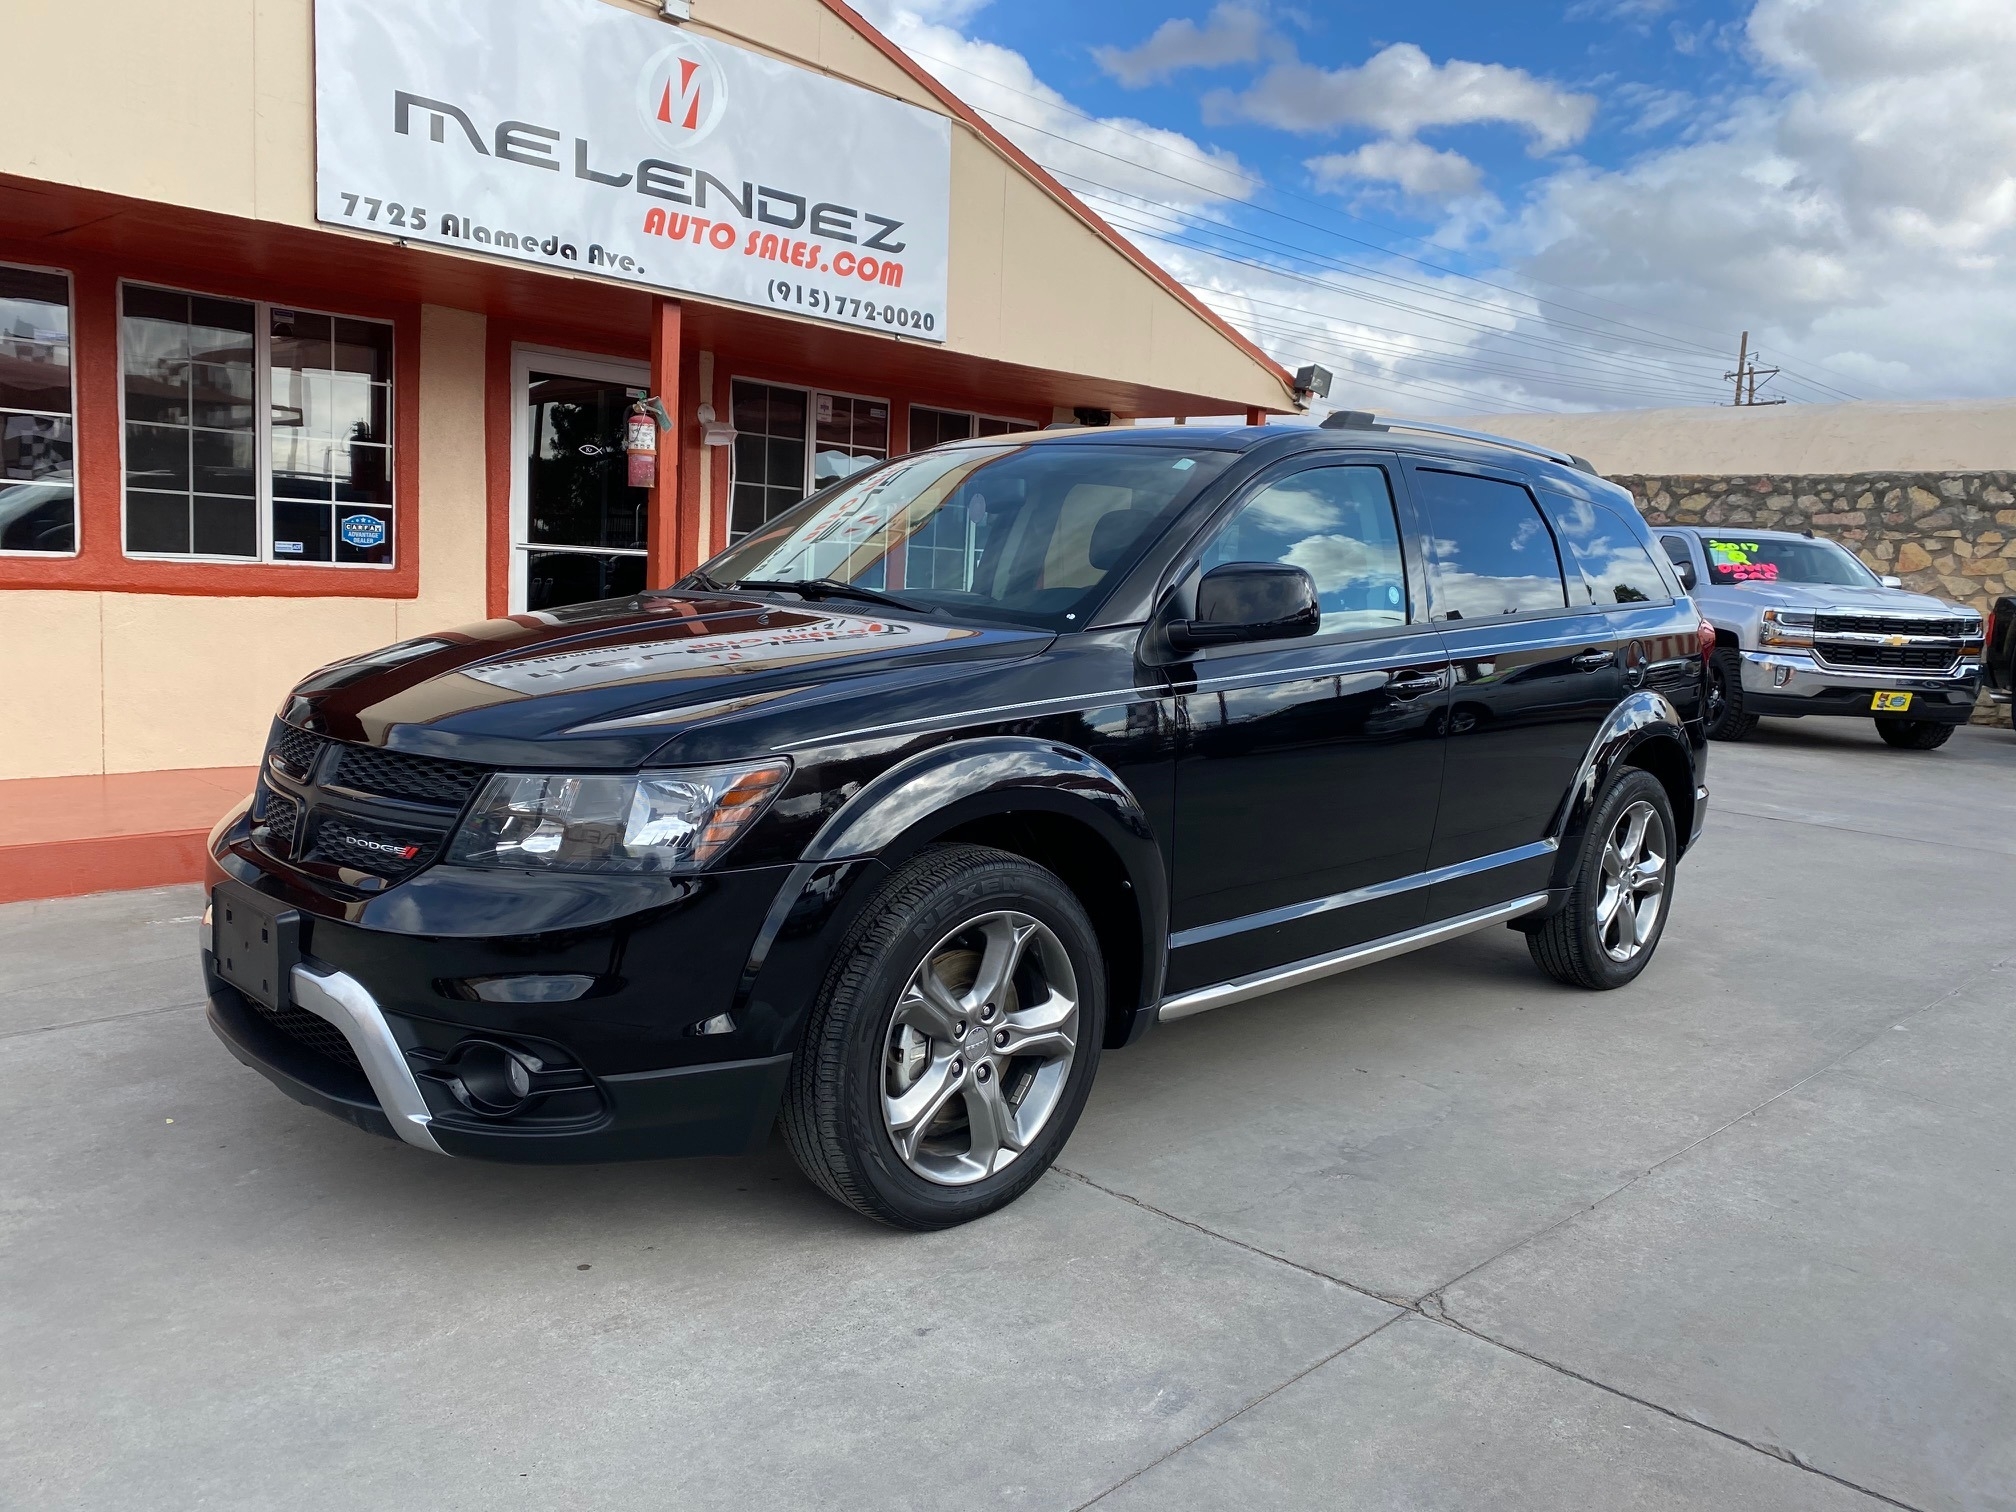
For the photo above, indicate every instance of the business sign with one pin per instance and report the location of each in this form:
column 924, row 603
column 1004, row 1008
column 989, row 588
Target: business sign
column 579, row 136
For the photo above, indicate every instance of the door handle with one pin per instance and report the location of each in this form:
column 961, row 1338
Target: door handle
column 1591, row 661
column 1414, row 682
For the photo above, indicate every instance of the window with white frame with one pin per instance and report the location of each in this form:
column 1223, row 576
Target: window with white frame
column 255, row 432
column 932, row 427
column 790, row 442
column 38, row 490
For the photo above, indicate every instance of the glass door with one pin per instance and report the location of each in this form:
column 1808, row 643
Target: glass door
column 579, row 531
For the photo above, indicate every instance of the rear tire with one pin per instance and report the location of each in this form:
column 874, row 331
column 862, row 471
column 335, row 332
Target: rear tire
column 1726, row 719
column 1622, row 889
column 1914, row 734
column 954, row 1043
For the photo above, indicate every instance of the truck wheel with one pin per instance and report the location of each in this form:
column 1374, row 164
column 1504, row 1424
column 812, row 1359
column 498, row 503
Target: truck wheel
column 954, row 1043
column 1914, row 734
column 1621, row 891
column 1726, row 719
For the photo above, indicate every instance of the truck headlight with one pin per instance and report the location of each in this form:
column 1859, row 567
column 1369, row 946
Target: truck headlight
column 677, row 820
column 1787, row 627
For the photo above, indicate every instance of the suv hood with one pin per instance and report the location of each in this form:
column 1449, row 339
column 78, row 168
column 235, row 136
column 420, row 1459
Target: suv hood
column 605, row 685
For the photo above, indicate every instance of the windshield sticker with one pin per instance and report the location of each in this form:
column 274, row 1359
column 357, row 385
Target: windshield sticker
column 704, row 655
column 1736, row 562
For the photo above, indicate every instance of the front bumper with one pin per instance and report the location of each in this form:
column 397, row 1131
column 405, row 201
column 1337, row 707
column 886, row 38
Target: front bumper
column 1791, row 684
column 719, row 1109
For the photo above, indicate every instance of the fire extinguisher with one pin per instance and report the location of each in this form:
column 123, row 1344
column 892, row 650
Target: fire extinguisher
column 640, row 440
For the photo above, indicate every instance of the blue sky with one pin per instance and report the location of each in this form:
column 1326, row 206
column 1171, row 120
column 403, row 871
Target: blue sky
column 1467, row 207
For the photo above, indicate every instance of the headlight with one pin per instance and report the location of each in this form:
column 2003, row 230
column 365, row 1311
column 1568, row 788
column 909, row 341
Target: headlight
column 672, row 821
column 1787, row 627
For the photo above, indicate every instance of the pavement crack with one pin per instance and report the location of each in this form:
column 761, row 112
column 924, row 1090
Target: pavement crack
column 109, row 1018
column 1264, row 1396
column 1761, row 1446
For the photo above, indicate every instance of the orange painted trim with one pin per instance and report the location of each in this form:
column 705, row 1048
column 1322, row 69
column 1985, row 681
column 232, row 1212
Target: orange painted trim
column 1071, row 202
column 101, row 565
column 663, row 565
column 72, row 868
column 497, row 465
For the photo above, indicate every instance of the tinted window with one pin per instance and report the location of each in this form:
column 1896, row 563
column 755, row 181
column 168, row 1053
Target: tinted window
column 1490, row 552
column 1615, row 568
column 1027, row 534
column 1765, row 559
column 1676, row 550
column 1337, row 524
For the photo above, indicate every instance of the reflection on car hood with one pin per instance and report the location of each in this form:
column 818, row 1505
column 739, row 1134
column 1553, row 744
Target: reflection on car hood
column 604, row 685
column 1873, row 600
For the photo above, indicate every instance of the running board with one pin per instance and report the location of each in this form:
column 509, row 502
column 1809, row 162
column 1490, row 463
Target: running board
column 1314, row 968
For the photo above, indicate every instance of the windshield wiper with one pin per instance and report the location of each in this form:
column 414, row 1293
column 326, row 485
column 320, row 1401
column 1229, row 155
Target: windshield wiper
column 700, row 579
column 820, row 587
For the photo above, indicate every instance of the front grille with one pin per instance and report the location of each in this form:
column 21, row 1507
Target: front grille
column 295, row 751
column 312, row 1030
column 382, row 852
column 1877, row 624
column 281, row 816
column 419, row 779
column 1917, row 658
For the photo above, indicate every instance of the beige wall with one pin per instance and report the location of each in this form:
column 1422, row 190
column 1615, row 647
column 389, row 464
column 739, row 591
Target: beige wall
column 126, row 682
column 1975, row 435
column 210, row 104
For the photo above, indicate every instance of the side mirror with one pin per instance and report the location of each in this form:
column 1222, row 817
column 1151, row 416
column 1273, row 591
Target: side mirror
column 1250, row 601
column 1688, row 577
column 1892, row 582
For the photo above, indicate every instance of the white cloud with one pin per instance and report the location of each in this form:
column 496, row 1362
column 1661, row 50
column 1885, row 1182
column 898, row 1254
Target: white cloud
column 1419, row 169
column 1143, row 163
column 1858, row 208
column 1234, row 34
column 1400, row 91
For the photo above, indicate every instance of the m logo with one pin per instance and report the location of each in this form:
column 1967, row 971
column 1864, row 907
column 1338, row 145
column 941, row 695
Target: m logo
column 680, row 93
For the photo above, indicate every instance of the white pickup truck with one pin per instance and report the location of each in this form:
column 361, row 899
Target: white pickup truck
column 1802, row 627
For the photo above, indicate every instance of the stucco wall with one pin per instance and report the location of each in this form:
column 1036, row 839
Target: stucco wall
column 210, row 104
column 1975, row 435
column 125, row 682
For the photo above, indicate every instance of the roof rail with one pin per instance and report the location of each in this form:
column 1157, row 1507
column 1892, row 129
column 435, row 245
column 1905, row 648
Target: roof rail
column 1366, row 420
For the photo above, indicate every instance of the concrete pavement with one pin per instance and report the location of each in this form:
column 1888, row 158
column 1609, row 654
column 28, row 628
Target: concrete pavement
column 1436, row 1234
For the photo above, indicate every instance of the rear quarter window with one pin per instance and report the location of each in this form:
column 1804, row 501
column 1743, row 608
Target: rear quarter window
column 1610, row 560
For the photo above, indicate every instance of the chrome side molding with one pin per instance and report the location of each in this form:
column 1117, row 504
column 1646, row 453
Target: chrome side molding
column 1314, row 968
column 344, row 1001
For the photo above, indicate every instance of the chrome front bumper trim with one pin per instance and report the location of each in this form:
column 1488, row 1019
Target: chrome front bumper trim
column 1808, row 679
column 343, row 1001
column 1314, row 968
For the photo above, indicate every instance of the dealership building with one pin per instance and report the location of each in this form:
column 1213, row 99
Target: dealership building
column 329, row 323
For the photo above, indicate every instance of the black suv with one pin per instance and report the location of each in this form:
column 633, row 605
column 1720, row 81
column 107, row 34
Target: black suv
column 974, row 765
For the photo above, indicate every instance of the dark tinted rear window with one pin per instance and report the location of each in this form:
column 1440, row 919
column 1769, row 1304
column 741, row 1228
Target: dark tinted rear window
column 1615, row 567
column 1490, row 552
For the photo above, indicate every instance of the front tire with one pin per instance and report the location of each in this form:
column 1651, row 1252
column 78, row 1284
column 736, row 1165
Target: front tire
column 1914, row 734
column 1621, row 892
column 1726, row 719
column 954, row 1043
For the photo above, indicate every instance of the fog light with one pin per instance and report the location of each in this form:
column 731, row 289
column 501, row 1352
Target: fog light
column 721, row 1023
column 1780, row 676
column 489, row 1078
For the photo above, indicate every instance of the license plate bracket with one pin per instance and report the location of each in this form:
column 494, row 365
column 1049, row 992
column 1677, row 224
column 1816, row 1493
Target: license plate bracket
column 256, row 945
column 1889, row 703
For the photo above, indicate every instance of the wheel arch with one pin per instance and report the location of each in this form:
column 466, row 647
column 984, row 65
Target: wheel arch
column 1644, row 731
column 1049, row 803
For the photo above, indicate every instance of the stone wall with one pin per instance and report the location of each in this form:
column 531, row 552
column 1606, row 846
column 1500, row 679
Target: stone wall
column 1951, row 534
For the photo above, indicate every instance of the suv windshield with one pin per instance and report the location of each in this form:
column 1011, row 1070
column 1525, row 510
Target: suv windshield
column 1033, row 535
column 1764, row 559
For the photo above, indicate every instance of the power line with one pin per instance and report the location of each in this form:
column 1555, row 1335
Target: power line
column 1220, row 167
column 1329, row 208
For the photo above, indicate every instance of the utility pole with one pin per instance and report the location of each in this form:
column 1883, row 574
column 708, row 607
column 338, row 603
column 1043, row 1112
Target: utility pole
column 1746, row 375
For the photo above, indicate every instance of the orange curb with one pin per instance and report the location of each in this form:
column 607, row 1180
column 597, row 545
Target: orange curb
column 61, row 837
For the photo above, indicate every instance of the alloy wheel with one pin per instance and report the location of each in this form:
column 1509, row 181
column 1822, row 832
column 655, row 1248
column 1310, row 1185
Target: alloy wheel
column 1635, row 869
column 979, row 1048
